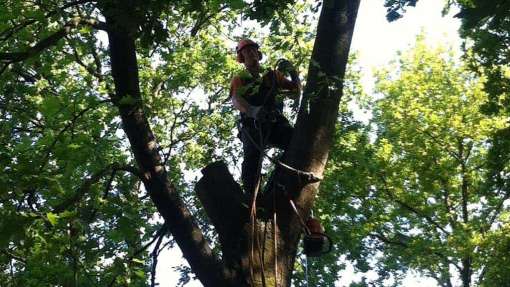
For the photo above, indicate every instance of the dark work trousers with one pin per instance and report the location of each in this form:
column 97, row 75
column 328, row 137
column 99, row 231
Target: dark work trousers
column 276, row 133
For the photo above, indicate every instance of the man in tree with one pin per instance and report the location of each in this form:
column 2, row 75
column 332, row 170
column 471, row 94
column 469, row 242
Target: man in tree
column 254, row 94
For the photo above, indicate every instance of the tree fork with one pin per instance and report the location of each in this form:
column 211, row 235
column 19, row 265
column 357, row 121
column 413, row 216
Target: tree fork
column 309, row 147
column 308, row 151
column 223, row 203
column 222, row 200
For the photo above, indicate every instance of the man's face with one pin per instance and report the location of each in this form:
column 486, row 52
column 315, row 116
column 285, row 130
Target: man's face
column 251, row 55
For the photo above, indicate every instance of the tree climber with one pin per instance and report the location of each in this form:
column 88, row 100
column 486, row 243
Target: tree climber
column 254, row 94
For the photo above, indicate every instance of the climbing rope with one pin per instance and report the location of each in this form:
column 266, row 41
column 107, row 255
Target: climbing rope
column 308, row 176
column 301, row 221
column 253, row 216
column 275, row 241
column 253, row 210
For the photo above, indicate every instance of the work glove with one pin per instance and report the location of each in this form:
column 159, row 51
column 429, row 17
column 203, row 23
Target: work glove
column 286, row 67
column 253, row 111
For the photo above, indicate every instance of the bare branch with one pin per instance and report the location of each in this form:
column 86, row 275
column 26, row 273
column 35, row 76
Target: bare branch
column 78, row 59
column 158, row 236
column 204, row 19
column 497, row 210
column 155, row 254
column 10, row 254
column 411, row 208
column 386, row 240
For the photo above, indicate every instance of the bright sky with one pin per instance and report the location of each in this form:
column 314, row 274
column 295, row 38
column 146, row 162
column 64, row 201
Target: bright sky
column 377, row 43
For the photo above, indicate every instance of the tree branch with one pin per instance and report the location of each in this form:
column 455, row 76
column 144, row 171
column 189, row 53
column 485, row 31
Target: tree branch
column 77, row 57
column 13, row 256
column 497, row 211
column 386, row 240
column 158, row 236
column 85, row 187
column 411, row 208
column 47, row 42
column 204, row 19
column 464, row 188
column 155, row 254
column 441, row 144
column 221, row 198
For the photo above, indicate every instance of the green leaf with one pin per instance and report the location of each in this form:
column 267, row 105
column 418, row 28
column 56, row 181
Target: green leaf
column 237, row 4
column 139, row 261
column 140, row 274
column 50, row 106
column 52, row 218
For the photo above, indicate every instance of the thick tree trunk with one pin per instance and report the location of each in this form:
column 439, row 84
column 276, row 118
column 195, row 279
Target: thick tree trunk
column 251, row 263
column 128, row 99
column 318, row 115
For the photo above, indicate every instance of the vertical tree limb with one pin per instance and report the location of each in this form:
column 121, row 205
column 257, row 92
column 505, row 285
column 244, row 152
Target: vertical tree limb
column 127, row 98
column 313, row 135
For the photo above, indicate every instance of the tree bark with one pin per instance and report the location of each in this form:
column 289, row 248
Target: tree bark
column 466, row 272
column 128, row 99
column 466, row 260
column 222, row 200
column 318, row 115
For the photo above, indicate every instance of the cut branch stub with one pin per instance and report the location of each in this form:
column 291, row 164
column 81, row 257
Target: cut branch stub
column 221, row 198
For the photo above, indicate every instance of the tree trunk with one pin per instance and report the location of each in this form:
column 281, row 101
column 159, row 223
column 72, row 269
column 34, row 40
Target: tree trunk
column 466, row 272
column 308, row 152
column 318, row 115
column 128, row 99
column 244, row 262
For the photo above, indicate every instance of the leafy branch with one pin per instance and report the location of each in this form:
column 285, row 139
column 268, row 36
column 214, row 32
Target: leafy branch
column 8, row 33
column 12, row 57
column 70, row 125
column 85, row 187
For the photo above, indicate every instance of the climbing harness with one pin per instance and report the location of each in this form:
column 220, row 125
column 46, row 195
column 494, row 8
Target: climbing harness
column 306, row 176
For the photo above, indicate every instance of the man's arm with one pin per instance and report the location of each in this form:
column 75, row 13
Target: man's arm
column 239, row 102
